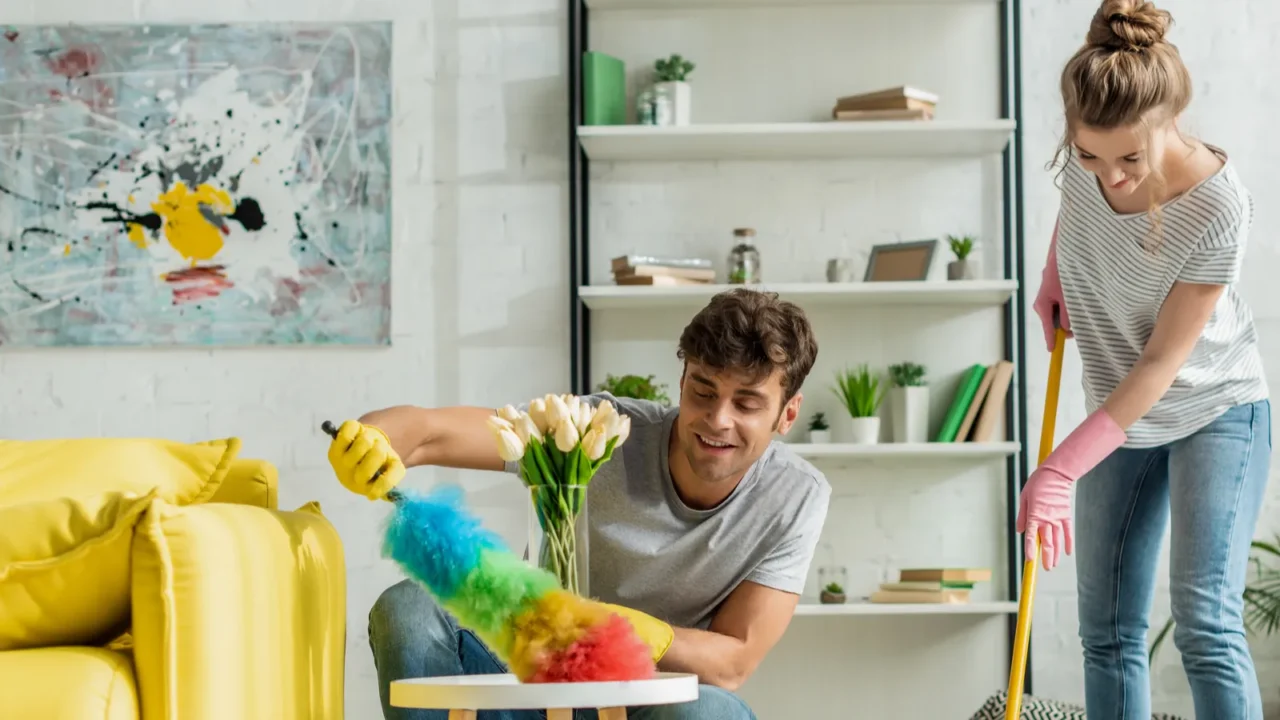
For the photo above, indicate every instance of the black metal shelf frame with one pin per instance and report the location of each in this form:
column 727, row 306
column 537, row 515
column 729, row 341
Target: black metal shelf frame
column 1014, row 267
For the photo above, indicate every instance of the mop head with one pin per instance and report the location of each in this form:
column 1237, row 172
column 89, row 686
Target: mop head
column 543, row 633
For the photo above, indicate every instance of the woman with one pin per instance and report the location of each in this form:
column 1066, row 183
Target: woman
column 1142, row 269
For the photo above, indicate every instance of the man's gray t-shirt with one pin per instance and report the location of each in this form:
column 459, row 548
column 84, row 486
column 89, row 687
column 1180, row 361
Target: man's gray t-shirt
column 650, row 551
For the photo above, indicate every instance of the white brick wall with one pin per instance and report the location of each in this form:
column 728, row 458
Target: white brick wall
column 479, row 287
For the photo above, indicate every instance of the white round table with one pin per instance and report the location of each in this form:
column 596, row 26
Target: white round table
column 463, row 695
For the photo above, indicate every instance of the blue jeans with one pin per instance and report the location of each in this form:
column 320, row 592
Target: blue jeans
column 1211, row 484
column 411, row 636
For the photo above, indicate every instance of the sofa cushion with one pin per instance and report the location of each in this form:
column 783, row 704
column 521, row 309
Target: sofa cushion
column 238, row 612
column 64, row 568
column 68, row 683
column 249, row 482
column 185, row 473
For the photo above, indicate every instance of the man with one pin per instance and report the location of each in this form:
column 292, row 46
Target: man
column 702, row 526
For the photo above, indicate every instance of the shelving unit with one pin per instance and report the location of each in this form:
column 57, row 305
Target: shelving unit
column 866, row 608
column 794, row 141
column 692, row 4
column 908, row 451
column 946, row 141
column 981, row 293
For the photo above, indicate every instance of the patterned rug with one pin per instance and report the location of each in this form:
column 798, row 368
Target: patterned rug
column 1034, row 708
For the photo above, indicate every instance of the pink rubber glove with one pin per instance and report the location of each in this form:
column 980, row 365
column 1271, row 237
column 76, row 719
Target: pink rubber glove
column 1044, row 508
column 1050, row 296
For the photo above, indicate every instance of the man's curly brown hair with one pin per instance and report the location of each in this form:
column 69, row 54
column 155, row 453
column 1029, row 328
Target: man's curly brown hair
column 755, row 333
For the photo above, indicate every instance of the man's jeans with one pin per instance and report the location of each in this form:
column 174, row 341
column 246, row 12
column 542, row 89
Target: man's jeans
column 411, row 636
column 1212, row 484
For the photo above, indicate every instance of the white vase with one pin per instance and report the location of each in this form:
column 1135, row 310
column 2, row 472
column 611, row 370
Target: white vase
column 864, row 430
column 818, row 437
column 680, row 94
column 909, row 407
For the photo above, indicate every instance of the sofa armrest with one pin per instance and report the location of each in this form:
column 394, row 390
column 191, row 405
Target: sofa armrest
column 238, row 612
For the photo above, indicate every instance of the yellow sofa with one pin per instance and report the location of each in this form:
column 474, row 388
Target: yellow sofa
column 231, row 609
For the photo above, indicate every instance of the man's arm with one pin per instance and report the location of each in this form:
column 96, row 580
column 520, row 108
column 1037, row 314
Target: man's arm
column 747, row 625
column 454, row 437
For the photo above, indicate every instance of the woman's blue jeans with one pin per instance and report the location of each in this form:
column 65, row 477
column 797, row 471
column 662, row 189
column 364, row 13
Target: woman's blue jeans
column 1210, row 485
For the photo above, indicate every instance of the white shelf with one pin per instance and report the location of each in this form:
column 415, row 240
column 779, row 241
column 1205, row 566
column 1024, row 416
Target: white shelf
column 939, row 292
column 869, row 608
column 795, row 141
column 908, row 451
column 779, row 4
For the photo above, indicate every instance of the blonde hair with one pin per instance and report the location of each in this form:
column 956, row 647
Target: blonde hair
column 1125, row 75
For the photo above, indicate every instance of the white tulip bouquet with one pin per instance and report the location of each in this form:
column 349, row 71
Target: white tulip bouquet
column 560, row 443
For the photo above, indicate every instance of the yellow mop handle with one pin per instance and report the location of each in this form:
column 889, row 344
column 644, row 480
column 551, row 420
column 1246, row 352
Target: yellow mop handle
column 1018, row 671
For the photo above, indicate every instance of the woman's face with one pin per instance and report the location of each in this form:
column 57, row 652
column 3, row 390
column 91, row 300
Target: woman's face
column 1120, row 157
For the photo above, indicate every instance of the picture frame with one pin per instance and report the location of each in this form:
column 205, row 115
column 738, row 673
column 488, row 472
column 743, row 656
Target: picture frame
column 898, row 262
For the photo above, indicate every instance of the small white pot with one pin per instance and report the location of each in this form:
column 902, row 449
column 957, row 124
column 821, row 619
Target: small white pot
column 819, row 437
column 864, row 430
column 909, row 407
column 681, row 96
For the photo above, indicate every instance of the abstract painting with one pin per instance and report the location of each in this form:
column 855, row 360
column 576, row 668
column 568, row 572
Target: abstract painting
column 195, row 185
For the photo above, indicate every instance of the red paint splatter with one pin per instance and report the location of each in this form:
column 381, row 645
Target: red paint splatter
column 74, row 63
column 197, row 283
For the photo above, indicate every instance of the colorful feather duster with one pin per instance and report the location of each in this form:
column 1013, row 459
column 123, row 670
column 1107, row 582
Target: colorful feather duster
column 542, row 632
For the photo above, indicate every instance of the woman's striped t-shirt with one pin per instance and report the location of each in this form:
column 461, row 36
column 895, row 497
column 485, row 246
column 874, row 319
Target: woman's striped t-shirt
column 1116, row 274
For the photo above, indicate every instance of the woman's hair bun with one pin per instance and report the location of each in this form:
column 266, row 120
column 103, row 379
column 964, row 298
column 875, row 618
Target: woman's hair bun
column 1128, row 25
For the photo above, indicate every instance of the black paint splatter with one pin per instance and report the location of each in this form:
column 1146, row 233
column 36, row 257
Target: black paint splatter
column 249, row 214
column 99, row 168
column 33, row 201
column 151, row 221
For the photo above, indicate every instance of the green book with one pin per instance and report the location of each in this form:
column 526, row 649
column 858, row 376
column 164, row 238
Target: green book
column 960, row 405
column 604, row 89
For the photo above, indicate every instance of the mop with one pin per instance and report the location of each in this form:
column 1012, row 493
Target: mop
column 542, row 632
column 1026, row 601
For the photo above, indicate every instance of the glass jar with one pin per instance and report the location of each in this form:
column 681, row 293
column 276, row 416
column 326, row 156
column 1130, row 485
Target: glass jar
column 644, row 107
column 744, row 259
column 558, row 534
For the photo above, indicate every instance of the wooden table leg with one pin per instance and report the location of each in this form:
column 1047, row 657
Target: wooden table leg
column 613, row 713
column 462, row 715
column 560, row 714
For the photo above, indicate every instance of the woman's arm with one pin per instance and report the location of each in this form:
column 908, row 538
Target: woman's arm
column 1178, row 326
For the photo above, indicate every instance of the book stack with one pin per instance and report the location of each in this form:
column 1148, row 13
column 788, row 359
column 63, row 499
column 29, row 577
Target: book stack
column 940, row 586
column 898, row 103
column 977, row 409
column 648, row 270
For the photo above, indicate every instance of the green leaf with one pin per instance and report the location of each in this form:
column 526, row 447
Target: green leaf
column 544, row 463
column 860, row 391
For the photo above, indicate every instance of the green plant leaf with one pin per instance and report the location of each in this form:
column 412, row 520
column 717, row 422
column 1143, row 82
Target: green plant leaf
column 859, row 391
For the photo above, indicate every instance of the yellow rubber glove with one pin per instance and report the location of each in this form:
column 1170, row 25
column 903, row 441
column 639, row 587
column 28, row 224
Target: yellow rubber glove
column 655, row 633
column 357, row 453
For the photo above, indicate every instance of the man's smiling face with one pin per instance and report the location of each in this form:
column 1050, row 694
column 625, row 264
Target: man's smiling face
column 727, row 420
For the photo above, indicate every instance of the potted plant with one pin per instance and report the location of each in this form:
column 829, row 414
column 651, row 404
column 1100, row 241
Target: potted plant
column 861, row 394
column 959, row 268
column 671, row 77
column 819, row 431
column 635, row 386
column 832, row 594
column 909, row 403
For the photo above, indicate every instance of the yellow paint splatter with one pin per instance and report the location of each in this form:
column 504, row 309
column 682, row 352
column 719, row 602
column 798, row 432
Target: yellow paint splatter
column 186, row 227
column 137, row 235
